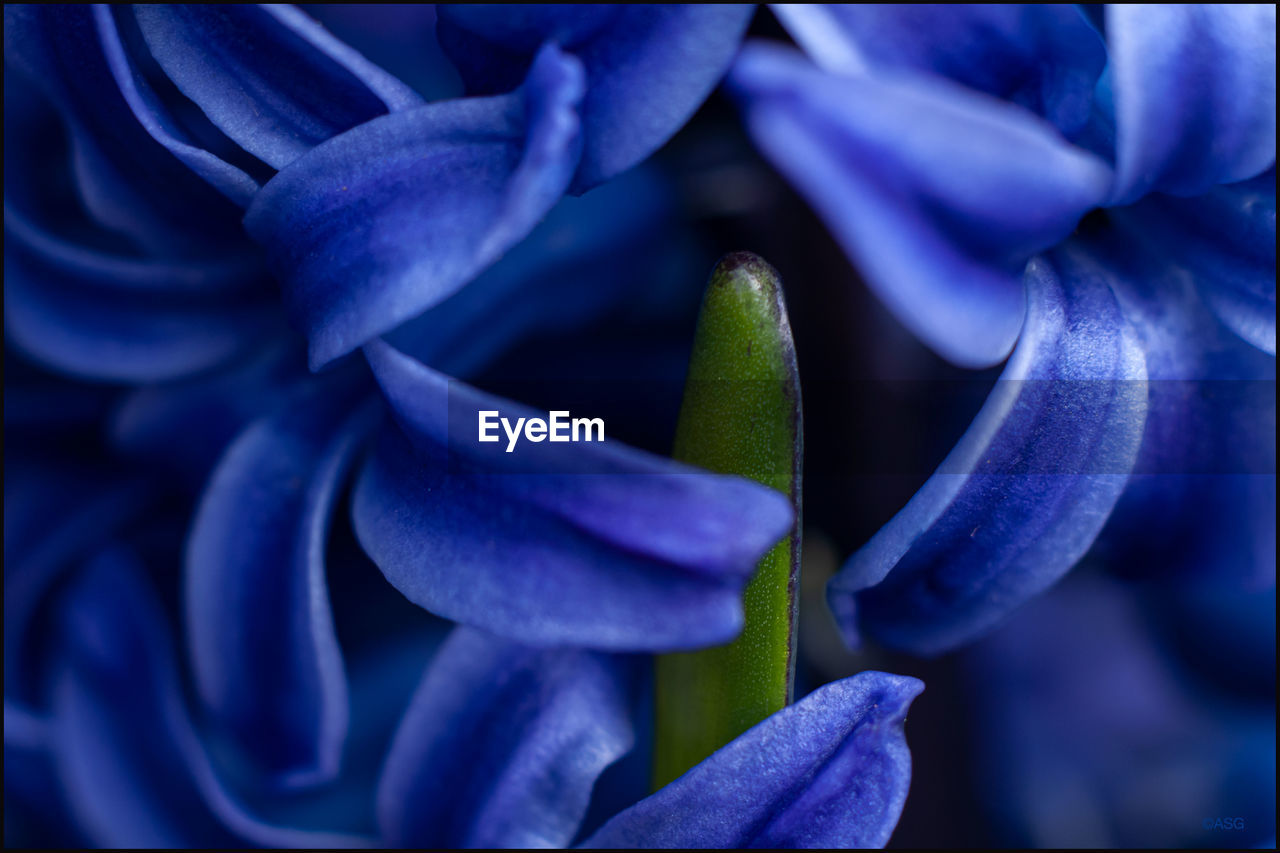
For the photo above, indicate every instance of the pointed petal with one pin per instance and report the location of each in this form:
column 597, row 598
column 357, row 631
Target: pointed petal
column 387, row 220
column 939, row 195
column 501, row 745
column 1029, row 486
column 831, row 770
column 1046, row 58
column 648, row 67
column 589, row 544
column 262, row 641
column 1195, row 95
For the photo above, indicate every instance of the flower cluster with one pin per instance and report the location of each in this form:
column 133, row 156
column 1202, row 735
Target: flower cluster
column 264, row 267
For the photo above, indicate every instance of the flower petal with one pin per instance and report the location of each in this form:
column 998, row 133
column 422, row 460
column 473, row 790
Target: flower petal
column 387, row 220
column 147, row 108
column 263, row 647
column 831, row 770
column 648, row 67
column 591, row 544
column 129, row 183
column 1206, row 473
column 1227, row 240
column 1046, row 58
column 1195, row 95
column 269, row 77
column 940, row 195
column 501, row 745
column 135, row 773
column 1028, row 487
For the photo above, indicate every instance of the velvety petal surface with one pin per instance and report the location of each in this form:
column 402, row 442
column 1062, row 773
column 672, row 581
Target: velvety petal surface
column 135, row 772
column 270, row 77
column 261, row 634
column 591, row 544
column 939, row 195
column 380, row 223
column 502, row 744
column 1028, row 487
column 1194, row 87
column 648, row 67
column 1046, row 58
column 831, row 770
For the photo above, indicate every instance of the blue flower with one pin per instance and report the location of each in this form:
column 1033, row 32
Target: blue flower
column 1102, row 193
column 167, row 169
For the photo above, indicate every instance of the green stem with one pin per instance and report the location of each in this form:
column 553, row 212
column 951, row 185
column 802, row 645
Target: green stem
column 740, row 415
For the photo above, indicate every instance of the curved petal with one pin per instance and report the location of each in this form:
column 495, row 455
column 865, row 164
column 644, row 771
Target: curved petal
column 129, row 183
column 54, row 515
column 938, row 194
column 384, row 221
column 1206, row 473
column 590, row 543
column 64, row 310
column 135, row 772
column 1046, row 58
column 1029, row 486
column 255, row 561
column 591, row 254
column 648, row 67
column 269, row 77
column 830, row 771
column 227, row 178
column 1195, row 95
column 501, row 745
column 1226, row 239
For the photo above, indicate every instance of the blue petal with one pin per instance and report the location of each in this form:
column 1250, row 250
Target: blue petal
column 269, row 77
column 1195, row 95
column 147, row 108
column 591, row 544
column 64, row 309
column 135, row 773
column 593, row 253
column 1046, row 58
column 387, row 220
column 263, row 647
column 830, row 771
column 1029, row 486
column 501, row 746
column 648, row 67
column 1206, row 473
column 1226, row 239
column 129, row 183
column 939, row 195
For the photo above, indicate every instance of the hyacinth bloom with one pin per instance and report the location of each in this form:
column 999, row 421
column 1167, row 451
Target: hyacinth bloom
column 1096, row 193
column 266, row 266
column 216, row 155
